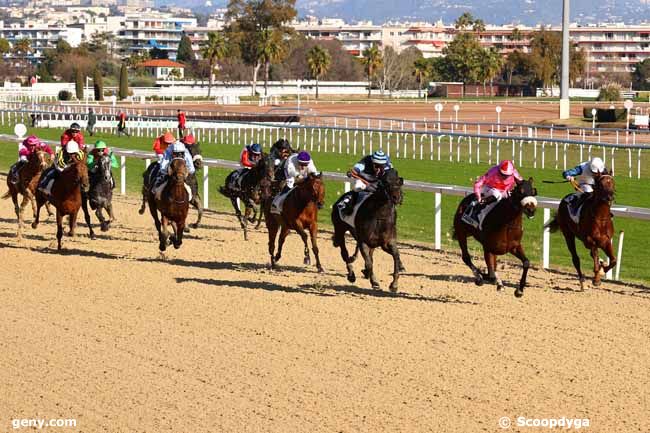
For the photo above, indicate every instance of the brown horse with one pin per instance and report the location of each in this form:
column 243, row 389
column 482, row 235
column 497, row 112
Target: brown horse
column 28, row 178
column 501, row 234
column 299, row 213
column 173, row 205
column 595, row 228
column 65, row 195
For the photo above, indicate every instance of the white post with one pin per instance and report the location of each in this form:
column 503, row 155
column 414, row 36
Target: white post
column 546, row 244
column 205, row 187
column 438, row 220
column 619, row 256
column 147, row 163
column 123, row 175
column 347, row 186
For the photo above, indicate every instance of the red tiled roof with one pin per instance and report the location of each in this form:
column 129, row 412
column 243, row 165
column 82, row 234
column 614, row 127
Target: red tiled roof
column 161, row 63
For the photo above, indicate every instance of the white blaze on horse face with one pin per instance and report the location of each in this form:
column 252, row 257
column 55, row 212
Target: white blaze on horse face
column 197, row 157
column 529, row 201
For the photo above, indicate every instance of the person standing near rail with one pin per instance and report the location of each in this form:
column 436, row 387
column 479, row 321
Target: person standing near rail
column 92, row 120
column 182, row 120
column 121, row 124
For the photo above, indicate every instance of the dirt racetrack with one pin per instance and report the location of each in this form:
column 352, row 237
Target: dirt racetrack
column 212, row 341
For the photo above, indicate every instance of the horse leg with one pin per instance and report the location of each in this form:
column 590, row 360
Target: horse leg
column 521, row 255
column 14, row 198
column 284, row 232
column 109, row 209
column 259, row 218
column 598, row 267
column 244, row 221
column 39, row 204
column 272, row 227
column 163, row 235
column 48, row 209
column 391, row 249
column 303, row 235
column 84, row 206
column 461, row 236
column 21, row 213
column 103, row 224
column 571, row 245
column 339, row 240
column 233, row 200
column 143, row 206
column 72, row 222
column 491, row 262
column 196, row 202
column 179, row 227
column 609, row 251
column 59, row 229
column 313, row 233
column 366, row 253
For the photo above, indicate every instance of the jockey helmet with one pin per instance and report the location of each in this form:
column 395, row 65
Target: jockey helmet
column 32, row 140
column 507, row 168
column 189, row 139
column 72, row 147
column 75, row 127
column 99, row 144
column 379, row 158
column 169, row 138
column 178, row 147
column 304, row 158
column 597, row 165
column 255, row 148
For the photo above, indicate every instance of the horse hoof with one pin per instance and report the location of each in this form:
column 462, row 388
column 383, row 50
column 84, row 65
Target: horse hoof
column 162, row 256
column 519, row 293
column 320, row 270
column 194, row 226
column 34, row 225
column 375, row 286
column 352, row 278
column 276, row 259
column 596, row 283
column 401, row 268
column 393, row 287
column 104, row 227
column 365, row 273
column 141, row 211
column 478, row 280
column 307, row 261
column 93, row 236
column 500, row 288
column 186, row 229
column 177, row 245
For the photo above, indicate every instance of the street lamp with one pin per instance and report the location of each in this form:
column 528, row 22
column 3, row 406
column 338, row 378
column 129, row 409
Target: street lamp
column 87, row 91
column 565, row 105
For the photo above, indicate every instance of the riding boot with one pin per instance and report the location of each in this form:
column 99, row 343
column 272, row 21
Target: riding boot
column 14, row 175
column 350, row 203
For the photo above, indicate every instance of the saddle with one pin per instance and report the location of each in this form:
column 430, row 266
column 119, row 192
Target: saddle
column 278, row 201
column 575, row 203
column 47, row 181
column 344, row 202
column 475, row 214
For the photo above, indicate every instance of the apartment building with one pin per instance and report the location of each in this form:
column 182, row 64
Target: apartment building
column 41, row 36
column 144, row 32
column 613, row 48
column 354, row 37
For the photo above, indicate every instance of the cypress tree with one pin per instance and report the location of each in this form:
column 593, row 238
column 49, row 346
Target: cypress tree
column 124, row 83
column 79, row 85
column 185, row 53
column 98, row 85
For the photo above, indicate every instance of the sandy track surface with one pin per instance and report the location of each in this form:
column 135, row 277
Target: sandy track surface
column 212, row 341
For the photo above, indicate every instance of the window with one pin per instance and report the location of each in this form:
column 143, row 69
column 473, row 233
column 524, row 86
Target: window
column 609, row 35
column 366, row 34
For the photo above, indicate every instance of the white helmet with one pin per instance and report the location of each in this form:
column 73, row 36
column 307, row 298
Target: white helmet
column 178, row 147
column 72, row 147
column 597, row 165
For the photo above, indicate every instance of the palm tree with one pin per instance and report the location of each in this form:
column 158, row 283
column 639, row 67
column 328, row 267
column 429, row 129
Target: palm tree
column 214, row 50
column 371, row 60
column 421, row 71
column 492, row 64
column 271, row 50
column 319, row 61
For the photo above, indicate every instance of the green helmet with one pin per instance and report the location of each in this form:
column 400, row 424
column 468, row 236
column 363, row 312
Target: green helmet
column 100, row 144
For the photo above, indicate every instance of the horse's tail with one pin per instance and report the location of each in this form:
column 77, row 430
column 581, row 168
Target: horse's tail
column 223, row 191
column 553, row 225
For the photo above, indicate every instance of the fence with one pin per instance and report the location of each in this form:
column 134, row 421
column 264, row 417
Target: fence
column 438, row 190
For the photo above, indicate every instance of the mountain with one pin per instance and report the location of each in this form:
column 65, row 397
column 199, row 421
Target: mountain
column 525, row 12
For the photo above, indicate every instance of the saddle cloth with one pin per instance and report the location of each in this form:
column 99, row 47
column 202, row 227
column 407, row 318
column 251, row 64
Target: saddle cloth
column 47, row 181
column 158, row 189
column 476, row 221
column 278, row 202
column 342, row 204
column 574, row 204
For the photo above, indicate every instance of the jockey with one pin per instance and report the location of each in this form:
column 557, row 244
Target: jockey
column 176, row 150
column 29, row 145
column 161, row 144
column 188, row 140
column 298, row 167
column 494, row 185
column 73, row 134
column 63, row 157
column 250, row 155
column 585, row 174
column 280, row 151
column 94, row 155
column 367, row 173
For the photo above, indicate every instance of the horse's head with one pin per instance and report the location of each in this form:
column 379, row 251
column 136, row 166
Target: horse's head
column 104, row 164
column 316, row 189
column 78, row 164
column 178, row 170
column 524, row 193
column 605, row 188
column 392, row 184
column 195, row 151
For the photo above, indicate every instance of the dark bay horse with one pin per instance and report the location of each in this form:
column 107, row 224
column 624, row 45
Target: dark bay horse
column 375, row 227
column 192, row 181
column 66, row 195
column 28, row 179
column 100, row 194
column 173, row 206
column 299, row 213
column 595, row 228
column 249, row 194
column 501, row 234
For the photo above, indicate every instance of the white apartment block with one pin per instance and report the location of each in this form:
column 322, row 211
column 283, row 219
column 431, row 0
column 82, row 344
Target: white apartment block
column 41, row 37
column 146, row 31
column 354, row 37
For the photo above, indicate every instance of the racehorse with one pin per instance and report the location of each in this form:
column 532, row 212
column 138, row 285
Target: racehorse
column 595, row 228
column 299, row 213
column 375, row 226
column 28, row 179
column 151, row 172
column 65, row 195
column 501, row 233
column 248, row 193
column 100, row 194
column 173, row 205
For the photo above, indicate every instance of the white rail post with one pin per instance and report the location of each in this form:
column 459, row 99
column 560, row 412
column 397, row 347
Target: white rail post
column 205, row 187
column 546, row 243
column 147, row 163
column 438, row 220
column 346, row 186
column 619, row 256
column 123, row 175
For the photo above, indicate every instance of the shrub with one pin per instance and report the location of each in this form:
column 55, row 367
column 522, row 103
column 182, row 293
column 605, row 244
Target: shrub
column 610, row 92
column 586, row 112
column 611, row 115
column 64, row 95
